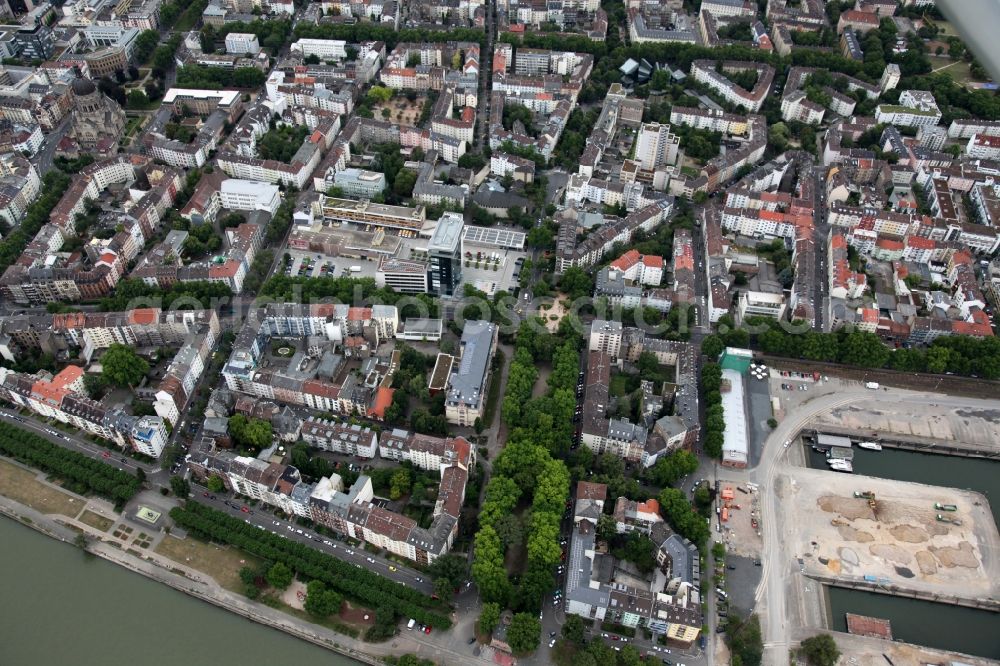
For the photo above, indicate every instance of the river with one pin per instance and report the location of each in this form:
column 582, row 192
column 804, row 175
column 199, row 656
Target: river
column 941, row 626
column 63, row 607
column 976, row 474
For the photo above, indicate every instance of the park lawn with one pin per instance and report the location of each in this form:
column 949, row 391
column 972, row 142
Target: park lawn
column 947, row 29
column 97, row 522
column 21, row 486
column 189, row 18
column 221, row 563
column 958, row 70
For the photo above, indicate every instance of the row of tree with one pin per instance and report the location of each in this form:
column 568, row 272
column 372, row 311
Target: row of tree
column 194, row 295
column 272, row 33
column 82, row 473
column 957, row 354
column 342, row 577
column 14, row 241
column 711, row 395
column 354, row 291
column 913, row 65
column 574, row 650
column 365, row 32
column 200, row 76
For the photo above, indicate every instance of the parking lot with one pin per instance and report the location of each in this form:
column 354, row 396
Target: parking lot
column 311, row 264
column 495, row 270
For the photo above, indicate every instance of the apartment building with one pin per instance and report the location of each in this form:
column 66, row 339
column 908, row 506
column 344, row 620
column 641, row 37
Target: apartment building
column 317, row 378
column 642, row 268
column 750, row 303
column 703, row 71
column 62, row 397
column 325, row 49
column 340, row 437
column 656, row 146
column 503, row 164
column 983, row 146
column 349, row 512
column 668, row 605
column 425, row 451
column 360, row 183
column 606, row 338
column 916, row 108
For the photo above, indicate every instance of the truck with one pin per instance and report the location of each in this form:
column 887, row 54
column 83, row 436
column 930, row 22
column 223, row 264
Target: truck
column 871, row 385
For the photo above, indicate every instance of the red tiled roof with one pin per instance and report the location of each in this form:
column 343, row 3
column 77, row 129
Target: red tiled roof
column 359, row 314
column 67, row 376
column 921, row 242
column 627, row 260
column 143, row 316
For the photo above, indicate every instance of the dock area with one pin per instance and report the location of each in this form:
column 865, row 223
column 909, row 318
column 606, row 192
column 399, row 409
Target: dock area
column 875, row 627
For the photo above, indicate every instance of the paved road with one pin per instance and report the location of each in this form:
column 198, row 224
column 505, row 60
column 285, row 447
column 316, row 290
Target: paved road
column 820, row 232
column 261, row 517
column 43, row 158
column 78, row 444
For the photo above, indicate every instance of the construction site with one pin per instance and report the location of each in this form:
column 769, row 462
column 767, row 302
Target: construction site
column 737, row 520
column 892, row 534
column 908, row 541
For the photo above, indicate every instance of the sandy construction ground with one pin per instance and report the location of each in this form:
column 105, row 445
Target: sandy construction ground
column 836, row 534
column 972, row 426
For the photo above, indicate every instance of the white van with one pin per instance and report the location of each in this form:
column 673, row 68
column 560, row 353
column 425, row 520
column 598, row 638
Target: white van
column 409, row 625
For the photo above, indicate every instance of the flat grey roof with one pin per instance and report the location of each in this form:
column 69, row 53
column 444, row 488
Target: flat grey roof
column 504, row 238
column 447, row 234
column 466, row 384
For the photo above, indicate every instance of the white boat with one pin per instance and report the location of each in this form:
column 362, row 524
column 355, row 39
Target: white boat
column 871, row 446
column 840, row 466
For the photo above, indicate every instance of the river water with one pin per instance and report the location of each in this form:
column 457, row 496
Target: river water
column 965, row 630
column 62, row 607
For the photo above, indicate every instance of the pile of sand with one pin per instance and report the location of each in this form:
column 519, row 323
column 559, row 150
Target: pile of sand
column 927, row 563
column 909, row 533
column 851, row 534
column 890, row 552
column 950, row 557
column 848, row 507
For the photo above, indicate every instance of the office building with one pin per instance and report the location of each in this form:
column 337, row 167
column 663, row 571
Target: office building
column 360, row 183
column 445, row 252
column 242, row 43
column 466, row 391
